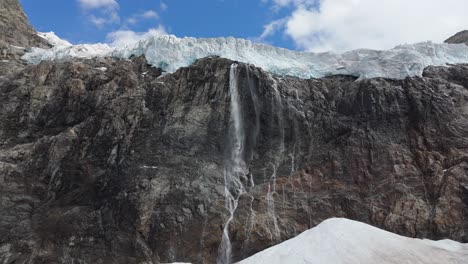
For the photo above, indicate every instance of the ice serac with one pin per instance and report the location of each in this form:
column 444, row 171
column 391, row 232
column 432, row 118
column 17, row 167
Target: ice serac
column 171, row 53
column 343, row 241
column 62, row 49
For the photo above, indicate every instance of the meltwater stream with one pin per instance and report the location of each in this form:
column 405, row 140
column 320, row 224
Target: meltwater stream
column 235, row 169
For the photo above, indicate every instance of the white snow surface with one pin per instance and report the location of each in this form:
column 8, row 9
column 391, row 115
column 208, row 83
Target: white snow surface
column 343, row 241
column 53, row 39
column 170, row 53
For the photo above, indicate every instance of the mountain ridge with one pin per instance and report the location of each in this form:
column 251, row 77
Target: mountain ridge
column 459, row 38
column 15, row 27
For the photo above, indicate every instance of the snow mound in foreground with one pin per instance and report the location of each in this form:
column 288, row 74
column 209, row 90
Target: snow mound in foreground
column 342, row 241
column 170, row 53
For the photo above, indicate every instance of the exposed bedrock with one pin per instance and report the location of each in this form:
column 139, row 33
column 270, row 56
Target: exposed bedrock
column 17, row 36
column 15, row 27
column 107, row 161
column 459, row 38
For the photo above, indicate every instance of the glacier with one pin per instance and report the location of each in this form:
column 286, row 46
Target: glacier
column 343, row 241
column 53, row 39
column 171, row 53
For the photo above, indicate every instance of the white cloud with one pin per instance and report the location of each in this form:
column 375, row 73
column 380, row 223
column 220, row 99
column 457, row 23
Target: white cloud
column 94, row 4
column 271, row 28
column 283, row 3
column 126, row 37
column 98, row 21
column 101, row 12
column 132, row 20
column 104, row 19
column 379, row 24
column 278, row 4
column 149, row 14
column 163, row 6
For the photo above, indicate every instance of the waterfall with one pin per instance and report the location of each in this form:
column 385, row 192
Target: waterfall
column 238, row 152
column 277, row 159
column 235, row 169
column 256, row 104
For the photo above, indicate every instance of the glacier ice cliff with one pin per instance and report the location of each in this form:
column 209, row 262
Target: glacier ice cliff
column 170, row 53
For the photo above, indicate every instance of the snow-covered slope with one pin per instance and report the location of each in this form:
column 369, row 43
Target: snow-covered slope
column 53, row 39
column 342, row 241
column 63, row 49
column 170, row 53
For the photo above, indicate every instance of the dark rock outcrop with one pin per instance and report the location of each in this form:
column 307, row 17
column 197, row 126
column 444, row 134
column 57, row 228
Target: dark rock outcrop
column 15, row 27
column 16, row 37
column 459, row 38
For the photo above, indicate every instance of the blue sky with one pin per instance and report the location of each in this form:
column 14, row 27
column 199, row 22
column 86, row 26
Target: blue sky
column 204, row 18
column 311, row 25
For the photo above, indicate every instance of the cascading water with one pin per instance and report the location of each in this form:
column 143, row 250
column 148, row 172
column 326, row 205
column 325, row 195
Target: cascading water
column 235, row 169
column 277, row 159
column 256, row 104
column 237, row 177
column 294, row 109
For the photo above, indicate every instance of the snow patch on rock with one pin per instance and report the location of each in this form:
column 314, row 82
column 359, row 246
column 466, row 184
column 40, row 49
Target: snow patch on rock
column 53, row 39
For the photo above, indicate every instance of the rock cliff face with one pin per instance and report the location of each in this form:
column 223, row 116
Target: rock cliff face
column 108, row 161
column 15, row 26
column 125, row 166
column 16, row 37
column 459, row 38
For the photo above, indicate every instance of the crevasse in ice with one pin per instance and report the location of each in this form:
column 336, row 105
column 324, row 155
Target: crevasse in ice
column 170, row 53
